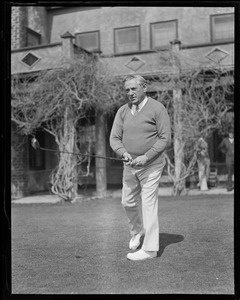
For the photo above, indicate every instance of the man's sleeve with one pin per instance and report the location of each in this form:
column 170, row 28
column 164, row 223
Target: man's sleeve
column 164, row 134
column 116, row 135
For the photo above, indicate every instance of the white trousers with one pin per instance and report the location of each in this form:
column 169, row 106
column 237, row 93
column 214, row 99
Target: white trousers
column 203, row 172
column 140, row 201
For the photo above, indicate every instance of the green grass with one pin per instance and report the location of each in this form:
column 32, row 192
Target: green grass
column 81, row 248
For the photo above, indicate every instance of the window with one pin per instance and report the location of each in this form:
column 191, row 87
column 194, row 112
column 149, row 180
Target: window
column 88, row 40
column 30, row 59
column 33, row 38
column 127, row 39
column 222, row 28
column 162, row 33
column 37, row 157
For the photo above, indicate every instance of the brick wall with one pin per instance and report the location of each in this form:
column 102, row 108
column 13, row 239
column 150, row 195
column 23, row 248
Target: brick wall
column 18, row 25
column 18, row 143
column 35, row 19
column 19, row 163
column 32, row 17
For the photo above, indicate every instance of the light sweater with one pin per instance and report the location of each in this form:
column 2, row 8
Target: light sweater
column 148, row 132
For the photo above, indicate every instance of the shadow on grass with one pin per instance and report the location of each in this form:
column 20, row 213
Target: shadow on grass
column 166, row 239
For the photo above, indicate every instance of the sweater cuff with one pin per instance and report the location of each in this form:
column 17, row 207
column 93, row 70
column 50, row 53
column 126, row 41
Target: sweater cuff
column 121, row 151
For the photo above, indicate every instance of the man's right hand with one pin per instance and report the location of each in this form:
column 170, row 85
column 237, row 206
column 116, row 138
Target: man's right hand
column 127, row 158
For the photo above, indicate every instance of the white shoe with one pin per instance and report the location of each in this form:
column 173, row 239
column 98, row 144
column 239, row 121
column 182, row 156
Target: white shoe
column 141, row 255
column 135, row 241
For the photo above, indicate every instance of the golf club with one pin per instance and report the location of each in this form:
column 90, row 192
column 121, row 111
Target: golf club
column 35, row 144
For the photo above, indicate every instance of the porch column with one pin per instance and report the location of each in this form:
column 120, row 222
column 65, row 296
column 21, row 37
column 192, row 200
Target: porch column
column 179, row 185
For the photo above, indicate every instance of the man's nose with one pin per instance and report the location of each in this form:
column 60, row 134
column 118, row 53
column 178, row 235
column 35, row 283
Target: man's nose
column 131, row 92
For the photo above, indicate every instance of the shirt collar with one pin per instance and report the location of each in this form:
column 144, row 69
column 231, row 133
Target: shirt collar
column 140, row 106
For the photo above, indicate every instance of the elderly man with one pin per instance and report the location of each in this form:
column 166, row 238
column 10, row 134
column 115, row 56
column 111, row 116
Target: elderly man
column 140, row 134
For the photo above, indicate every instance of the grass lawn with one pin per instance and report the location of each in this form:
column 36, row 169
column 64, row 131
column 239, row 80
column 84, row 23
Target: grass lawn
column 81, row 248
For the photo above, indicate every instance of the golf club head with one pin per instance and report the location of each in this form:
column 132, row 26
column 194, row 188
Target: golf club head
column 35, row 143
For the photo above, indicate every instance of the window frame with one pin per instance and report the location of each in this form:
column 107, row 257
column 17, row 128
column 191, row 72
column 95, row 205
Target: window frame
column 214, row 40
column 138, row 27
column 151, row 33
column 89, row 32
column 34, row 33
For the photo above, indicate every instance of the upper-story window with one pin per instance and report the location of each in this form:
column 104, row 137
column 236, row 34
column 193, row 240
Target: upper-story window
column 162, row 33
column 88, row 40
column 222, row 27
column 127, row 39
column 33, row 38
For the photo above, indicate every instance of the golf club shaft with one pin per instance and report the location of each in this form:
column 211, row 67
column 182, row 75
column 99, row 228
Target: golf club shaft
column 88, row 155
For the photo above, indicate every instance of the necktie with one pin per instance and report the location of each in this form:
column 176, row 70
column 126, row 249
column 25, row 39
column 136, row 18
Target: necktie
column 135, row 109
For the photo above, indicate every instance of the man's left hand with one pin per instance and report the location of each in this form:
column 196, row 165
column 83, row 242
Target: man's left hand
column 139, row 161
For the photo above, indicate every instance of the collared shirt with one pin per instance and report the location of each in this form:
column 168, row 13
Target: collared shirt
column 140, row 106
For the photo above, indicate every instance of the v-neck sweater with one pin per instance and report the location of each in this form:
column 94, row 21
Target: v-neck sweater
column 148, row 132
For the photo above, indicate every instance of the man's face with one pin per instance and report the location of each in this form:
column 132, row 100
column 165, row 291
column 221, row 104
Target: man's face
column 135, row 92
column 230, row 135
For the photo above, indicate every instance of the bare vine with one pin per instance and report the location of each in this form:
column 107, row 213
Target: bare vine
column 57, row 100
column 201, row 109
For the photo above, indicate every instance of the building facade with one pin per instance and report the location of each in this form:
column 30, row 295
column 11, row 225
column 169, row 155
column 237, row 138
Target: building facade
column 132, row 39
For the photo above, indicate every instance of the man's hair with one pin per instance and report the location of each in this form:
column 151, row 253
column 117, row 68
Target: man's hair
column 139, row 78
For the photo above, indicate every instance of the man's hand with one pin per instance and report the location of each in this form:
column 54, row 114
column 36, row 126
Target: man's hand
column 139, row 161
column 127, row 157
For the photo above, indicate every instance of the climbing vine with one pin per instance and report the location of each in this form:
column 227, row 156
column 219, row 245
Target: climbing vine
column 197, row 99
